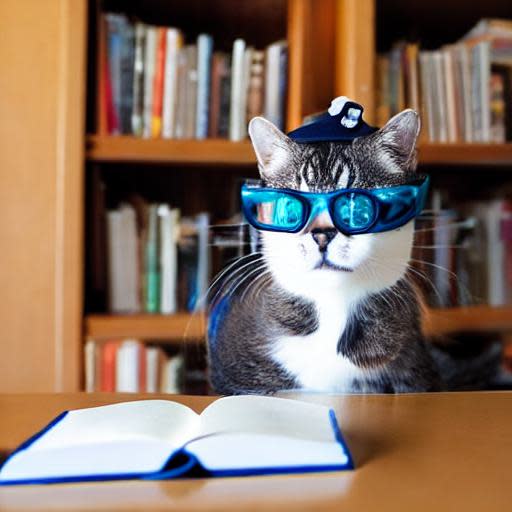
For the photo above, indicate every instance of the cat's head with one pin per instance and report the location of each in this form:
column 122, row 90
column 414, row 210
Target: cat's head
column 320, row 255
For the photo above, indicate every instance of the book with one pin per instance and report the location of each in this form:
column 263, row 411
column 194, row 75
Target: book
column 152, row 262
column 138, row 79
column 127, row 367
column 170, row 99
column 169, row 235
column 108, row 366
column 273, row 102
column 123, row 260
column 160, row 439
column 158, row 82
column 220, row 70
column 204, row 58
column 149, row 77
column 237, row 106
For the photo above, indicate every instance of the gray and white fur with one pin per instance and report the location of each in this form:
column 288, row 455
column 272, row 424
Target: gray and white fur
column 319, row 310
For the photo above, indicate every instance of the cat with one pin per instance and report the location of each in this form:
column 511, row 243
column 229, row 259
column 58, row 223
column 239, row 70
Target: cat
column 318, row 310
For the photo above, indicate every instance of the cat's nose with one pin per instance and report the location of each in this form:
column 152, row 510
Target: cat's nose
column 322, row 236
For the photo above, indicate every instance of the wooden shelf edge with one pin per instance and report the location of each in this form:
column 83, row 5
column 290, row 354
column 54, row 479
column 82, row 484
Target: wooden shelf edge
column 126, row 148
column 465, row 154
column 177, row 328
column 467, row 319
column 186, row 327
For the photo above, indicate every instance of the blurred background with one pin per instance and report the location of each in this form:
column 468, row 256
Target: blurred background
column 123, row 145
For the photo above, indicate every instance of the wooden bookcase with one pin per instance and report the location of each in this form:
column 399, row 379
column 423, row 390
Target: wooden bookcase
column 332, row 48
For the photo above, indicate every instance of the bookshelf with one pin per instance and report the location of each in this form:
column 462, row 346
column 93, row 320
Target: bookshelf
column 332, row 52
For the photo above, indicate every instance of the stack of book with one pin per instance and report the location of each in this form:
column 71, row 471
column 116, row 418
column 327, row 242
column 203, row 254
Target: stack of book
column 464, row 90
column 155, row 85
column 465, row 254
column 130, row 366
column 146, row 245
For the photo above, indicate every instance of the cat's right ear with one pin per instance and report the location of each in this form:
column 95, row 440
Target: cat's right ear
column 271, row 145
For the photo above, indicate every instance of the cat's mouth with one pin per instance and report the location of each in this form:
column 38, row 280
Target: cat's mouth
column 325, row 263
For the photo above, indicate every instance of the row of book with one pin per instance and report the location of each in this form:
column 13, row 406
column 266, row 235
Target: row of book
column 155, row 85
column 157, row 261
column 464, row 255
column 129, row 366
column 464, row 90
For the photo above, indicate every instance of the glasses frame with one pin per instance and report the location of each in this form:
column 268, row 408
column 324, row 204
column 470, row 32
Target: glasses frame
column 315, row 202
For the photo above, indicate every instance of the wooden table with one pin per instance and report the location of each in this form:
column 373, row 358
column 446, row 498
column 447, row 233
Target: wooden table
column 445, row 451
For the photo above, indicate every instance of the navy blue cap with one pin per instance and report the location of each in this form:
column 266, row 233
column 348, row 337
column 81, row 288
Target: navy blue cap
column 342, row 122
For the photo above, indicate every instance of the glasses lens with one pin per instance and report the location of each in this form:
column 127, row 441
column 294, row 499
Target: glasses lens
column 276, row 210
column 354, row 210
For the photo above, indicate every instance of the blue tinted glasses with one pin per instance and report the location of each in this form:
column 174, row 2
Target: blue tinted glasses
column 352, row 210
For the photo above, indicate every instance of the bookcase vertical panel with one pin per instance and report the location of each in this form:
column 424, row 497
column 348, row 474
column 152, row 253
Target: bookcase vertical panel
column 355, row 52
column 42, row 59
column 311, row 27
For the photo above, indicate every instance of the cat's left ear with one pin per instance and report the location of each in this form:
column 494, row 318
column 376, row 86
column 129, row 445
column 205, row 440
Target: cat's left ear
column 272, row 147
column 398, row 138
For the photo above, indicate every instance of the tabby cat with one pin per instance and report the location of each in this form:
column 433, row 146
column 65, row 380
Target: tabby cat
column 321, row 310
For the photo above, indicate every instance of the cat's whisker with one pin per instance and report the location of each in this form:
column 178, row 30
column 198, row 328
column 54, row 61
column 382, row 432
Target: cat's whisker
column 229, row 267
column 468, row 223
column 231, row 277
column 245, row 277
column 250, row 287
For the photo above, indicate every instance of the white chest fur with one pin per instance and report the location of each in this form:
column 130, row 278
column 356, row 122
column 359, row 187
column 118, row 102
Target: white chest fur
column 313, row 359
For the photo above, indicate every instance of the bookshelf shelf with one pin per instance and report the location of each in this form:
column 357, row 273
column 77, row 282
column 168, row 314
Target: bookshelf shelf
column 184, row 327
column 208, row 152
column 177, row 328
column 468, row 319
column 213, row 152
column 465, row 154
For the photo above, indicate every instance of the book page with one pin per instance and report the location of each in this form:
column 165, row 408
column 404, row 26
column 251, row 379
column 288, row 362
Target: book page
column 267, row 415
column 145, row 419
column 250, row 434
column 125, row 438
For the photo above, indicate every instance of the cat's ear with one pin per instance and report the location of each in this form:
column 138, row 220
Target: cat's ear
column 272, row 147
column 398, row 137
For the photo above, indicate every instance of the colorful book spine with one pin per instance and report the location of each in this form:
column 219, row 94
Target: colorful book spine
column 152, row 263
column 158, row 83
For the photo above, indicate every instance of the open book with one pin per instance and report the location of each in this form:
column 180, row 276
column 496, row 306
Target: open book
column 239, row 435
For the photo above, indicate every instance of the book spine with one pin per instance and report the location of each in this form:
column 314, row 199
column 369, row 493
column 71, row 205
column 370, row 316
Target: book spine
column 127, row 70
column 169, row 226
column 152, row 270
column 127, row 367
column 170, row 99
column 108, row 366
column 138, row 80
column 149, row 76
column 283, row 85
column 114, row 22
column 90, row 365
column 426, row 86
column 203, row 260
column 237, row 83
column 204, row 58
column 153, row 362
column 449, row 89
column 255, row 87
column 191, row 92
column 158, row 83
column 225, row 99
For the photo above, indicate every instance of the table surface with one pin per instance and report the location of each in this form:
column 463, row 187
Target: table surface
column 438, row 451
